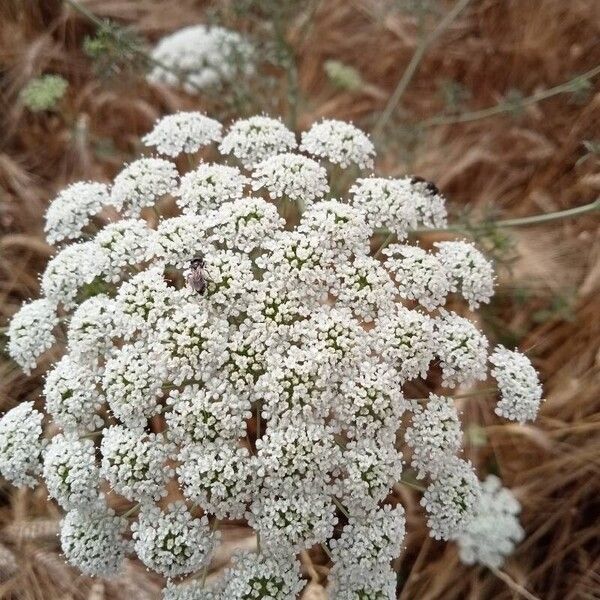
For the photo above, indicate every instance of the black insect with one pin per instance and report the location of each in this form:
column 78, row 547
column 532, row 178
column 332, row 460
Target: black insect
column 430, row 187
column 197, row 278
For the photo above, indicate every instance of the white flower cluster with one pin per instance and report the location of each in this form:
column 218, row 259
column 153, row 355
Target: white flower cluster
column 254, row 368
column 495, row 530
column 200, row 57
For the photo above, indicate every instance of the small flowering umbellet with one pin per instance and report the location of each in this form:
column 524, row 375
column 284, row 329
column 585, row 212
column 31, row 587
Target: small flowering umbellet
column 257, row 368
column 495, row 529
column 93, row 540
column 71, row 211
column 256, row 139
column 184, row 132
column 21, row 445
column 520, row 389
column 172, row 542
column 141, row 183
column 201, row 57
column 340, row 143
column 31, row 332
column 291, row 176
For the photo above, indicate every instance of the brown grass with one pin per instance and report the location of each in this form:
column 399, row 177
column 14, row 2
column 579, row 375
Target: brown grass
column 520, row 165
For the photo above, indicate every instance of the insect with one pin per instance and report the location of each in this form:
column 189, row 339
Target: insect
column 197, row 278
column 429, row 186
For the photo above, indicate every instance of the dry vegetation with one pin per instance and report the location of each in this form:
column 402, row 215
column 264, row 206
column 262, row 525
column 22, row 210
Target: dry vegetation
column 520, row 165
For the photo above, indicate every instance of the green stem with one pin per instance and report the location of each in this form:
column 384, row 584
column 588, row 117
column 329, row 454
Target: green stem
column 503, row 107
column 413, row 65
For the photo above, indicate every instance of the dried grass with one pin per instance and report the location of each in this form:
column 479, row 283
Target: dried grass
column 520, row 165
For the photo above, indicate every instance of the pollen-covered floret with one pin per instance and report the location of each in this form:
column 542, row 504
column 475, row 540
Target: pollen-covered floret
column 434, row 435
column 292, row 177
column 270, row 576
column 142, row 183
column 405, row 339
column 255, row 139
column 183, row 132
column 70, row 471
column 172, row 543
column 370, row 402
column 468, row 270
column 92, row 539
column 21, row 445
column 495, row 529
column 375, row 583
column 519, row 384
column 134, row 463
column 31, row 332
column 451, row 499
column 208, row 187
column 71, row 211
column 92, row 327
column 340, row 143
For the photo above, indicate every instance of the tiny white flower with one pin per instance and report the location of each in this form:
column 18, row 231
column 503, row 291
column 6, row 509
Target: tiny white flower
column 469, row 271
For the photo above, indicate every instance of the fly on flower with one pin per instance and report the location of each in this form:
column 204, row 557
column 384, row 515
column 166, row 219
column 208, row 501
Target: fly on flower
column 197, row 278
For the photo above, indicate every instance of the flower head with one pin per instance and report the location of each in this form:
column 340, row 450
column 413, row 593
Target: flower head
column 256, row 139
column 340, row 143
column 183, row 132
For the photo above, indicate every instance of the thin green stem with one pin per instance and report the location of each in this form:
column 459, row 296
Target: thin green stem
column 413, row 65
column 504, row 107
